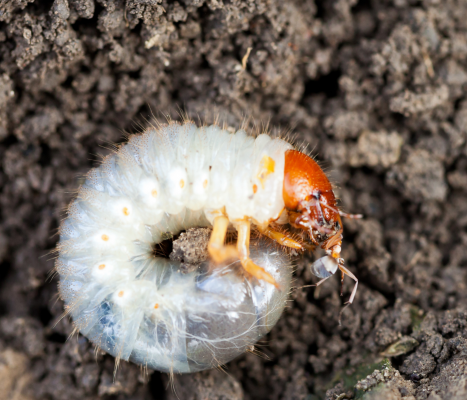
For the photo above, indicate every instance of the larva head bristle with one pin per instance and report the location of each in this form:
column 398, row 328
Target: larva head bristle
column 304, row 147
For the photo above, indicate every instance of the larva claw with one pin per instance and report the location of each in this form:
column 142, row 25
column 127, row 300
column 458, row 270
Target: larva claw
column 258, row 272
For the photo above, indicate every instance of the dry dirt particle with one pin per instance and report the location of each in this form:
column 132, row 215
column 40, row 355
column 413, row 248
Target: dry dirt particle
column 420, row 177
column 14, row 376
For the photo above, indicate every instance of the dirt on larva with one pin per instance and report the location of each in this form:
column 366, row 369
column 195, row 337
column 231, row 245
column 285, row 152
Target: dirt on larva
column 376, row 88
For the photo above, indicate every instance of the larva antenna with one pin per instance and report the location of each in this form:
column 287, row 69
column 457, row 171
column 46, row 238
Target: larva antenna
column 341, row 213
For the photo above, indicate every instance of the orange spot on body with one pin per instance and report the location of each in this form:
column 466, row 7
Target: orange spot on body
column 154, row 193
column 125, row 211
column 104, row 237
column 156, row 306
column 121, row 293
column 205, row 184
column 182, row 184
column 255, row 188
column 102, row 266
column 267, row 167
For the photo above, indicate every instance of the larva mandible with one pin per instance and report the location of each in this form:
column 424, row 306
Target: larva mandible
column 140, row 307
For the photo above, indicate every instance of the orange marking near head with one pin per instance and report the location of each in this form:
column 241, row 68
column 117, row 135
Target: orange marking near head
column 104, row 237
column 267, row 167
column 102, row 266
column 125, row 211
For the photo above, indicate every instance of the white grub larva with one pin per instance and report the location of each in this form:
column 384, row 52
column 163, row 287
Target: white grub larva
column 141, row 307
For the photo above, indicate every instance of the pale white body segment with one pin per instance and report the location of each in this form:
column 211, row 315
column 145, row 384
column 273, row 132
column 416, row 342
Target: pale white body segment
column 140, row 307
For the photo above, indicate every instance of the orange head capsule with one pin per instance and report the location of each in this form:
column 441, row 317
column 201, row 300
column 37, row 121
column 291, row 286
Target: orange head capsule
column 311, row 205
column 310, row 201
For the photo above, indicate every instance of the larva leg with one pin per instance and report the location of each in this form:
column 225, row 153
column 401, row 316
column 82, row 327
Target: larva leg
column 243, row 247
column 284, row 240
column 216, row 247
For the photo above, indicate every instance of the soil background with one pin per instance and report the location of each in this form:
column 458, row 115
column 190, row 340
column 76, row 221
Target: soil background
column 376, row 88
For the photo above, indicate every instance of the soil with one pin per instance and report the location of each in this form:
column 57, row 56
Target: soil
column 376, row 88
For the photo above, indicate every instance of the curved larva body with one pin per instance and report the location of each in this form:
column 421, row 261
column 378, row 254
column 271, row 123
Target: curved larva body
column 142, row 308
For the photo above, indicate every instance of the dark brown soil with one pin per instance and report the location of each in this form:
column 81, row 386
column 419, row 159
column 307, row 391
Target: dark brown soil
column 375, row 87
